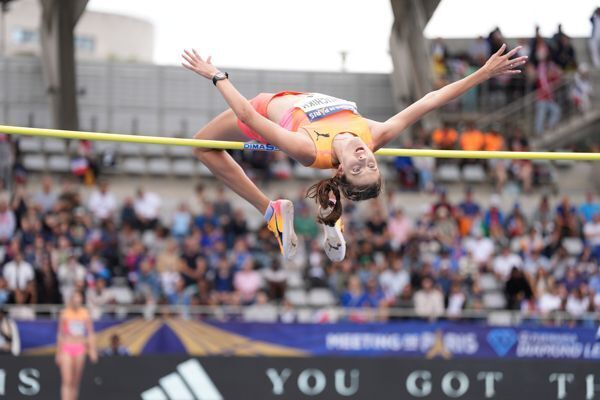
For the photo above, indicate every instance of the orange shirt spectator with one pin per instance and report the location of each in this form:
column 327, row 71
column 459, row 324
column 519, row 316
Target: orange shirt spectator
column 472, row 139
column 444, row 138
column 493, row 141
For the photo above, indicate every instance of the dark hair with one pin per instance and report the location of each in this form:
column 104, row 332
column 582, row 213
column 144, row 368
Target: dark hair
column 336, row 185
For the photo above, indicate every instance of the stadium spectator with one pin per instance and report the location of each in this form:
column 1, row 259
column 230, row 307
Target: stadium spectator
column 276, row 280
column 182, row 222
column 467, row 211
column 517, row 289
column 400, row 227
column 595, row 38
column 456, row 301
column 147, row 283
column 71, row 276
column 8, row 222
column 18, row 273
column 102, row 203
column 7, row 161
column 493, row 220
column 505, row 262
column 547, row 74
column 115, row 348
column 481, row 247
column 429, row 301
column 247, row 282
column 47, row 198
column 223, row 282
column 589, row 207
column 261, row 310
column 393, row 279
column 564, row 53
column 147, row 209
column 354, row 295
column 591, row 231
column 98, row 297
column 47, row 289
column 425, row 168
column 472, row 139
column 567, row 221
column 581, row 89
column 445, row 138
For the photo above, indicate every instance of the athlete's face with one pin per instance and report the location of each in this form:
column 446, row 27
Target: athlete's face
column 358, row 163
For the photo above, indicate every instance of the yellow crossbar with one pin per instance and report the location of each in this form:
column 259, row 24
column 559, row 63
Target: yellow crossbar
column 217, row 144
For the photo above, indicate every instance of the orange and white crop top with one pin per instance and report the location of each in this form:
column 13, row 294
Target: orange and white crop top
column 324, row 117
column 74, row 322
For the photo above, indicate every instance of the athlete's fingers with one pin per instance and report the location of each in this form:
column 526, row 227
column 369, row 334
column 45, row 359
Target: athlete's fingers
column 513, row 52
column 501, row 49
column 197, row 55
column 185, row 65
column 190, row 55
column 188, row 59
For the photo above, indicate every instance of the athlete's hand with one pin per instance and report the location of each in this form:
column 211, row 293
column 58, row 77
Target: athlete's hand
column 502, row 64
column 196, row 64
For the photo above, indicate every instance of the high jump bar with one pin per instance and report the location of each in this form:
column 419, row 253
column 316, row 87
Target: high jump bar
column 224, row 145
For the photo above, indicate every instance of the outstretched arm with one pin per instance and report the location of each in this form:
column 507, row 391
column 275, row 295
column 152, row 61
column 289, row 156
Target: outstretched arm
column 497, row 64
column 292, row 145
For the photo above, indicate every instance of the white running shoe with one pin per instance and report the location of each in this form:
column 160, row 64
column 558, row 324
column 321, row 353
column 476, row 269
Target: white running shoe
column 334, row 243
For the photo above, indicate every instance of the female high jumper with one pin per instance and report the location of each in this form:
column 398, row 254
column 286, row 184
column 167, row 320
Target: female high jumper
column 318, row 131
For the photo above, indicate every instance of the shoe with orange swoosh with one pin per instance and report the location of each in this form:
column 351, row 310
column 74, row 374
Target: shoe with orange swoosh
column 282, row 226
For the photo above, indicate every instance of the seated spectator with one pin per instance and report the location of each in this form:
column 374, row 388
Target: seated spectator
column 223, row 282
column 577, row 304
column 354, row 296
column 261, row 310
column 467, row 211
column 481, row 247
column 407, row 173
column 444, row 138
column 516, row 222
column 147, row 284
column 535, row 261
column 182, row 220
column 47, row 198
column 47, row 289
column 456, row 301
column 517, row 289
column 247, row 282
column 564, row 53
column 429, row 301
column 7, row 333
column 394, row 279
column 71, row 275
column 102, row 203
column 493, row 220
column 567, row 221
column 581, row 89
column 442, row 202
column 549, row 301
column 18, row 273
column 115, row 348
column 472, row 139
column 97, row 298
column 8, row 222
column 505, row 262
column 425, row 167
column 543, row 217
column 400, row 227
column 276, row 279
column 589, row 207
column 445, row 229
column 5, row 292
column 374, row 296
column 543, row 282
column 147, row 209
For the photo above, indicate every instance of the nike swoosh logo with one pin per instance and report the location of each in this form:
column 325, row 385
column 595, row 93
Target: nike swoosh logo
column 334, row 247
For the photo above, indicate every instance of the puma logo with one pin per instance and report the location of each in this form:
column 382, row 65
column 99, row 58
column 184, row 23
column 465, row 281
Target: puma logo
column 325, row 135
column 331, row 247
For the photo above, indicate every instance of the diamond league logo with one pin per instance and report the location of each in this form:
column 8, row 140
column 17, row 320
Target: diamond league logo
column 502, row 340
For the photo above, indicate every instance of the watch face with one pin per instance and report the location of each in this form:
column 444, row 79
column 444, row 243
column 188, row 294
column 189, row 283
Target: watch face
column 220, row 75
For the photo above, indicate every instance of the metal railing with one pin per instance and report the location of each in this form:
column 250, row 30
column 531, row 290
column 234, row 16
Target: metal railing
column 307, row 314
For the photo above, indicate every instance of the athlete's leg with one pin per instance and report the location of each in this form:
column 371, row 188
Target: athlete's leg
column 78, row 365
column 223, row 166
column 279, row 214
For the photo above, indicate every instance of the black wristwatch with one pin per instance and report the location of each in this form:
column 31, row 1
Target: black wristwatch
column 219, row 76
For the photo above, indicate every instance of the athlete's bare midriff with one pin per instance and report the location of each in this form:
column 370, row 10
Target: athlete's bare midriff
column 280, row 105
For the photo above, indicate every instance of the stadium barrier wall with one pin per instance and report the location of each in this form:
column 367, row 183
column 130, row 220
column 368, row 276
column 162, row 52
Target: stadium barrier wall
column 215, row 378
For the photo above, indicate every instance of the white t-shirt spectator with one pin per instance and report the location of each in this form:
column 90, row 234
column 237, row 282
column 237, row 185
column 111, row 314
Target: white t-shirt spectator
column 102, row 205
column 18, row 274
column 482, row 249
column 147, row 206
column 7, row 225
column 456, row 301
column 504, row 263
column 549, row 302
column 96, row 299
column 393, row 282
column 429, row 304
column 69, row 275
column 577, row 306
column 591, row 230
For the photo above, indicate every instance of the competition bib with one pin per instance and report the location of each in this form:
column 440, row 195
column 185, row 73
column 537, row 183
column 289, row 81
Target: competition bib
column 76, row 327
column 317, row 106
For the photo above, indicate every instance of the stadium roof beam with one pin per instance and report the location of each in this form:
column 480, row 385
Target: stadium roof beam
column 412, row 77
column 58, row 21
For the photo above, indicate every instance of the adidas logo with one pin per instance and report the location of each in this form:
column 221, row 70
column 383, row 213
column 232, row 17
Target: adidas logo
column 189, row 382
